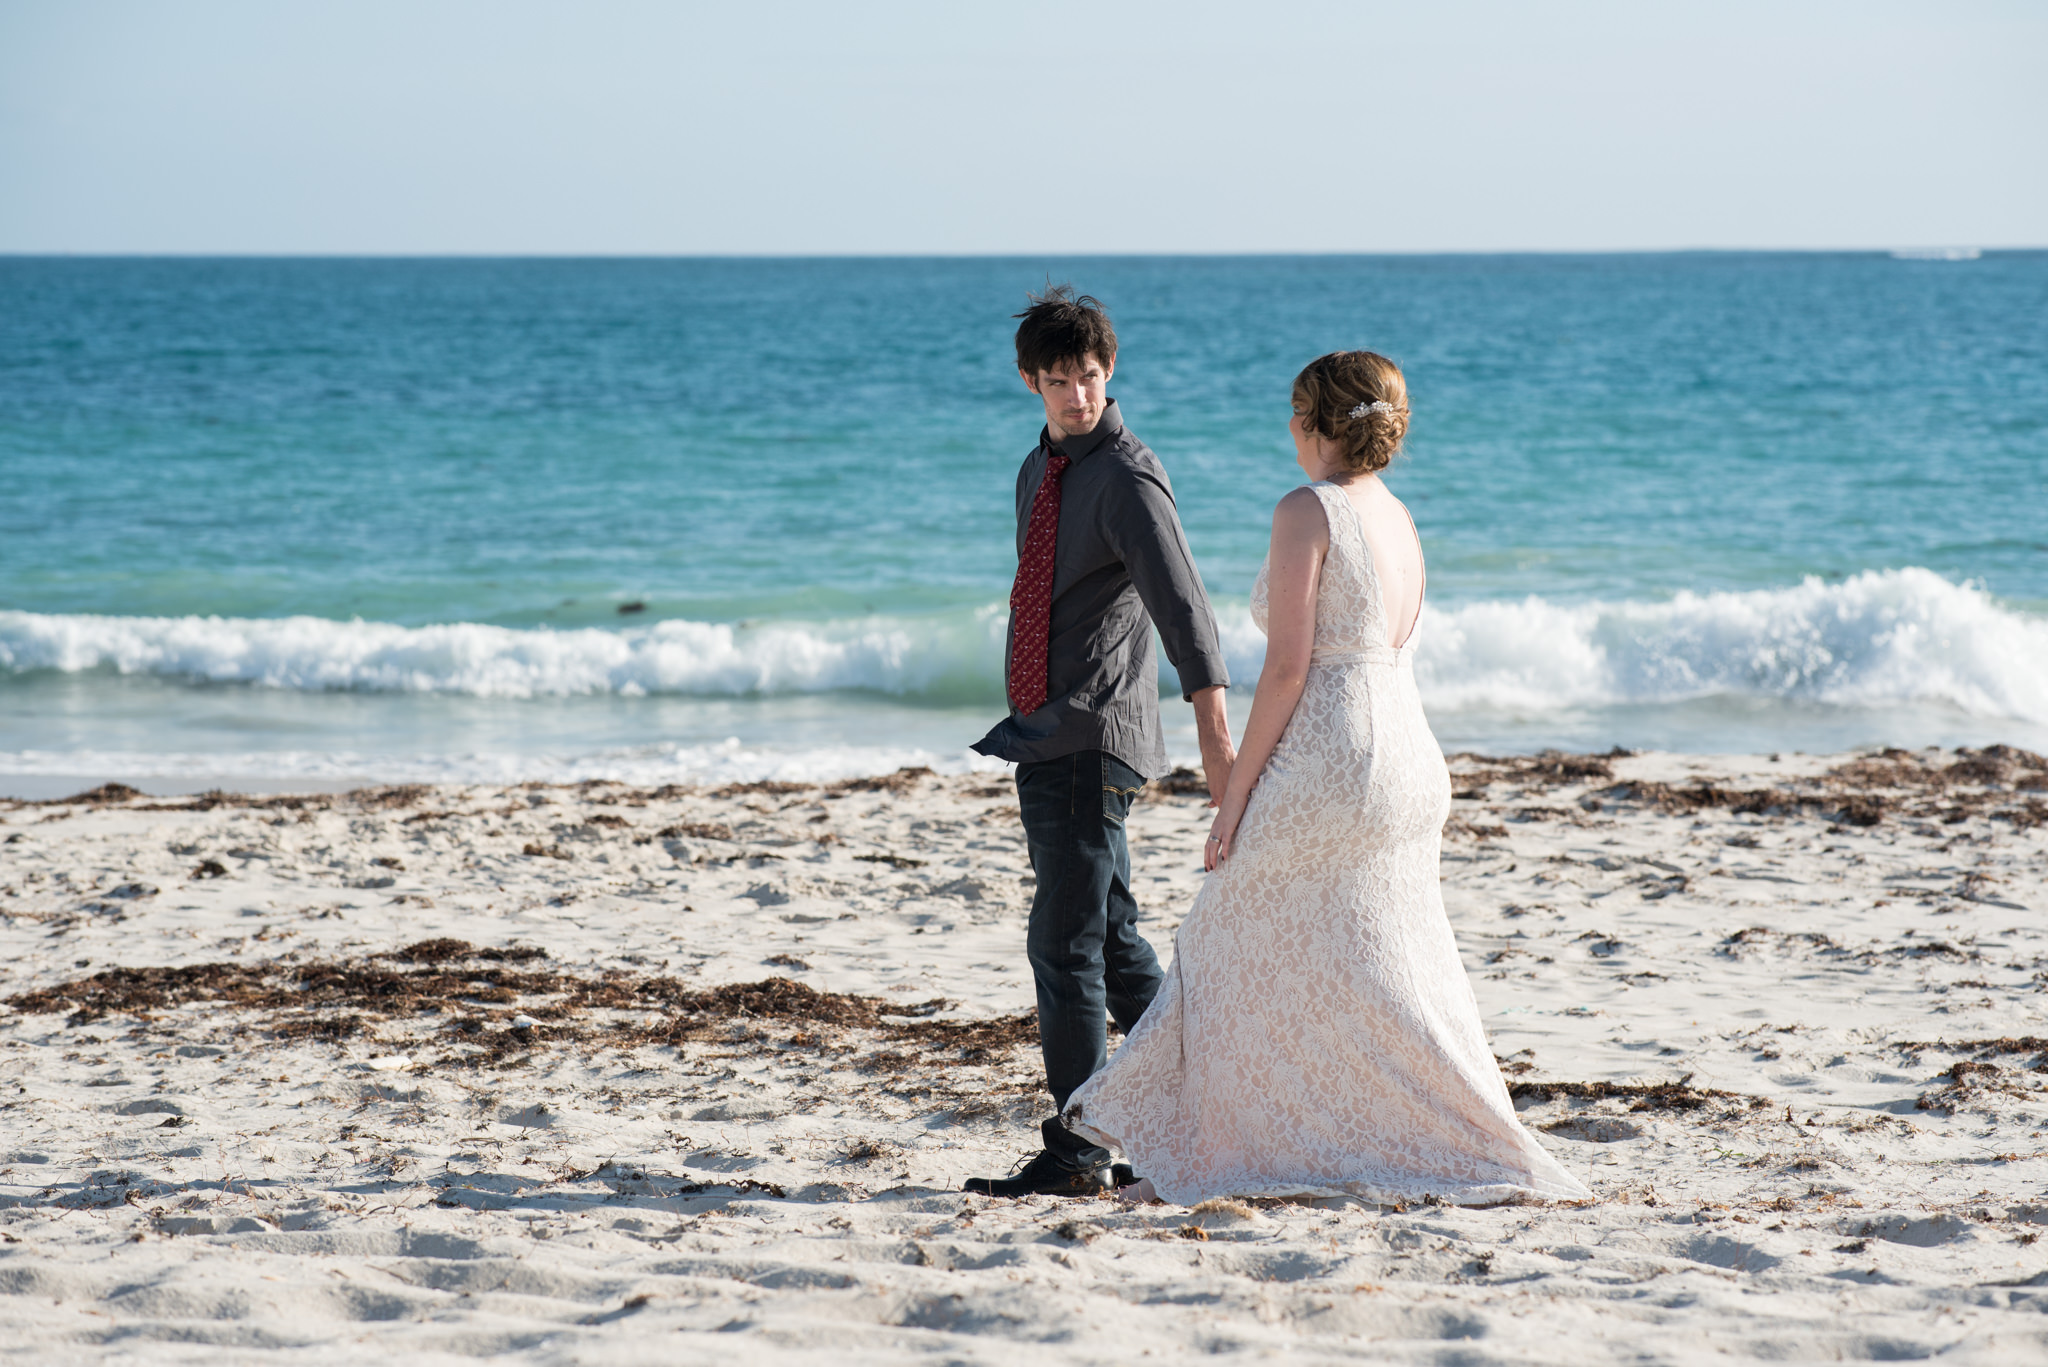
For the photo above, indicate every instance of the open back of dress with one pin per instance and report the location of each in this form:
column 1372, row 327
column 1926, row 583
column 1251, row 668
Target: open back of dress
column 1316, row 1033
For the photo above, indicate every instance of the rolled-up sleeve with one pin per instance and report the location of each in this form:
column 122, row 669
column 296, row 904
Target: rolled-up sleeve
column 1144, row 528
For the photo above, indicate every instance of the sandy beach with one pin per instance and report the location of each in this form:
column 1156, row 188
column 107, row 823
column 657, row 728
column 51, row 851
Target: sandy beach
column 603, row 1073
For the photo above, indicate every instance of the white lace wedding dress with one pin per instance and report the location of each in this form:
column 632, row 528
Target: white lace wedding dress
column 1316, row 1033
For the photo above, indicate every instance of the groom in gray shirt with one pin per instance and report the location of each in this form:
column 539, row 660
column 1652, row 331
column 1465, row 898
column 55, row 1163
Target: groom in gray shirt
column 1102, row 560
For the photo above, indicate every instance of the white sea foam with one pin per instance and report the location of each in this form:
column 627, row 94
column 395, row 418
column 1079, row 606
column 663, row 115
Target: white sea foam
column 1878, row 638
column 1882, row 637
column 919, row 657
column 1890, row 636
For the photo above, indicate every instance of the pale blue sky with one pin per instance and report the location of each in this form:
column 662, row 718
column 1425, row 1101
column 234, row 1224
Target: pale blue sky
column 436, row 126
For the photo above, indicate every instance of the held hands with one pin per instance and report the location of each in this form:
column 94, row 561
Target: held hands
column 1219, row 757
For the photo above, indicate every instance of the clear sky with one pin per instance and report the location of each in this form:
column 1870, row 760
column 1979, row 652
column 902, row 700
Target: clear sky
column 617, row 126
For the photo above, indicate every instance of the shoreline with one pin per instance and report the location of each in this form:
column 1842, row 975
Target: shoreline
column 465, row 1069
column 55, row 787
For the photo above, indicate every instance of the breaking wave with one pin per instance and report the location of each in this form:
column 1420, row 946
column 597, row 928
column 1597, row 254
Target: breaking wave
column 939, row 658
column 1880, row 637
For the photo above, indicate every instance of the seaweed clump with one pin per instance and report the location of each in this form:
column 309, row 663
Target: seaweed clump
column 1645, row 1096
column 1996, row 781
column 501, row 1001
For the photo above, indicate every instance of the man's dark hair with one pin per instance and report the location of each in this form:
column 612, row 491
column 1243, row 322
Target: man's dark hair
column 1062, row 327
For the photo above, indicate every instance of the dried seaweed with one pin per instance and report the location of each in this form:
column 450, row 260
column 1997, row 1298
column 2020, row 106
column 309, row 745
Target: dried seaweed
column 462, row 982
column 1685, row 799
column 97, row 797
column 1753, row 935
column 1647, row 1096
column 2005, row 1044
column 1551, row 768
column 366, row 799
column 1963, row 1084
column 445, row 950
column 900, row 782
column 1924, row 784
column 764, row 788
column 2004, row 767
column 380, row 799
column 1182, row 782
column 697, row 830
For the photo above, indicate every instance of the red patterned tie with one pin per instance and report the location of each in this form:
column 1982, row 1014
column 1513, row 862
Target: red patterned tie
column 1031, row 598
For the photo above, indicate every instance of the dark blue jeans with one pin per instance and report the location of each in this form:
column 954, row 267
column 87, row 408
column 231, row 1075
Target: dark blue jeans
column 1086, row 954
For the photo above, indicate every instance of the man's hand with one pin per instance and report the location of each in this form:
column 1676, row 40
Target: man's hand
column 1212, row 731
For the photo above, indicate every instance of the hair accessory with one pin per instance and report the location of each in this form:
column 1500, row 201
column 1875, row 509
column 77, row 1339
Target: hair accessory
column 1380, row 406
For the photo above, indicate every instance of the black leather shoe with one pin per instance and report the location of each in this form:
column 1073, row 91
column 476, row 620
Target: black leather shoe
column 1121, row 1176
column 1044, row 1175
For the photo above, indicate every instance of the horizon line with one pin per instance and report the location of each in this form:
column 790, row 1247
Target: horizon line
column 1931, row 249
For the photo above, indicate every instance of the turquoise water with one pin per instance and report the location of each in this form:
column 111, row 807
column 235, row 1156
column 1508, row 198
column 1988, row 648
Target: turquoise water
column 377, row 518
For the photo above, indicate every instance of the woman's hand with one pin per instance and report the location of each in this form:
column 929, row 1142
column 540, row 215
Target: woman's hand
column 1222, row 834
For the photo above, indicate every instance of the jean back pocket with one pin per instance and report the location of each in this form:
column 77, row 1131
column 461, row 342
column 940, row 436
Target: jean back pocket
column 1120, row 787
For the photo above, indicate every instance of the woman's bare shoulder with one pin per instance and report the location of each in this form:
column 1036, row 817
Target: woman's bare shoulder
column 1300, row 512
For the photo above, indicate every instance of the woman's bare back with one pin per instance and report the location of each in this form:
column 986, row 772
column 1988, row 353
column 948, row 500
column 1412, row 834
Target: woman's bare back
column 1396, row 553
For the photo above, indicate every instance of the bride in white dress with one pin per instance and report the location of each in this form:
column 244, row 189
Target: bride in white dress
column 1316, row 1034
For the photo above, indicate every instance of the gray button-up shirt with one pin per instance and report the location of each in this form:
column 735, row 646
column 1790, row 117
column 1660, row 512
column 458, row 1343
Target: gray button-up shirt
column 1121, row 565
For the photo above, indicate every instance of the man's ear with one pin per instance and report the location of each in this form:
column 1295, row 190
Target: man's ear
column 1109, row 370
column 1030, row 380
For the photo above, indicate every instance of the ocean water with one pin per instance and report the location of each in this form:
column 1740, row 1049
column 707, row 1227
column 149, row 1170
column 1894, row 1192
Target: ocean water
column 377, row 519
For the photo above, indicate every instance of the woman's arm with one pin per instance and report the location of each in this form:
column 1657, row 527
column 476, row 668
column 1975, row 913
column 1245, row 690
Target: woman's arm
column 1301, row 538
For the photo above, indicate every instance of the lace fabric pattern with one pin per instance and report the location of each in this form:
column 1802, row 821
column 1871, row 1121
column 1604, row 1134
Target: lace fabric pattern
column 1316, row 1033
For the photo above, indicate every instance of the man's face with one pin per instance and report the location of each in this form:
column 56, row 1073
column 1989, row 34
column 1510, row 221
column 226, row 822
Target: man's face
column 1073, row 392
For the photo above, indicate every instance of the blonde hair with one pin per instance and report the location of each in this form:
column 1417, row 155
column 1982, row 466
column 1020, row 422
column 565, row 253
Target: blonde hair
column 1359, row 401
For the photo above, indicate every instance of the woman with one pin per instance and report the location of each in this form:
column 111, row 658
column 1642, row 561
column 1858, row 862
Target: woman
column 1316, row 1033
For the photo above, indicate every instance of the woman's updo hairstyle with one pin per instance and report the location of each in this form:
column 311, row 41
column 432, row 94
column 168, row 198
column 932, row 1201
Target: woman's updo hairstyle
column 1358, row 400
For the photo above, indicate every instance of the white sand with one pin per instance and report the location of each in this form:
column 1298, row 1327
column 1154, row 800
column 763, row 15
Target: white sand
column 376, row 1199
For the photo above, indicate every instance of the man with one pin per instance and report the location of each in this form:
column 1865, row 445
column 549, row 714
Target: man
column 1101, row 559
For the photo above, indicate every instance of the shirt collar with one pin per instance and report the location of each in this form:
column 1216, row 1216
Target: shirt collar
column 1082, row 447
